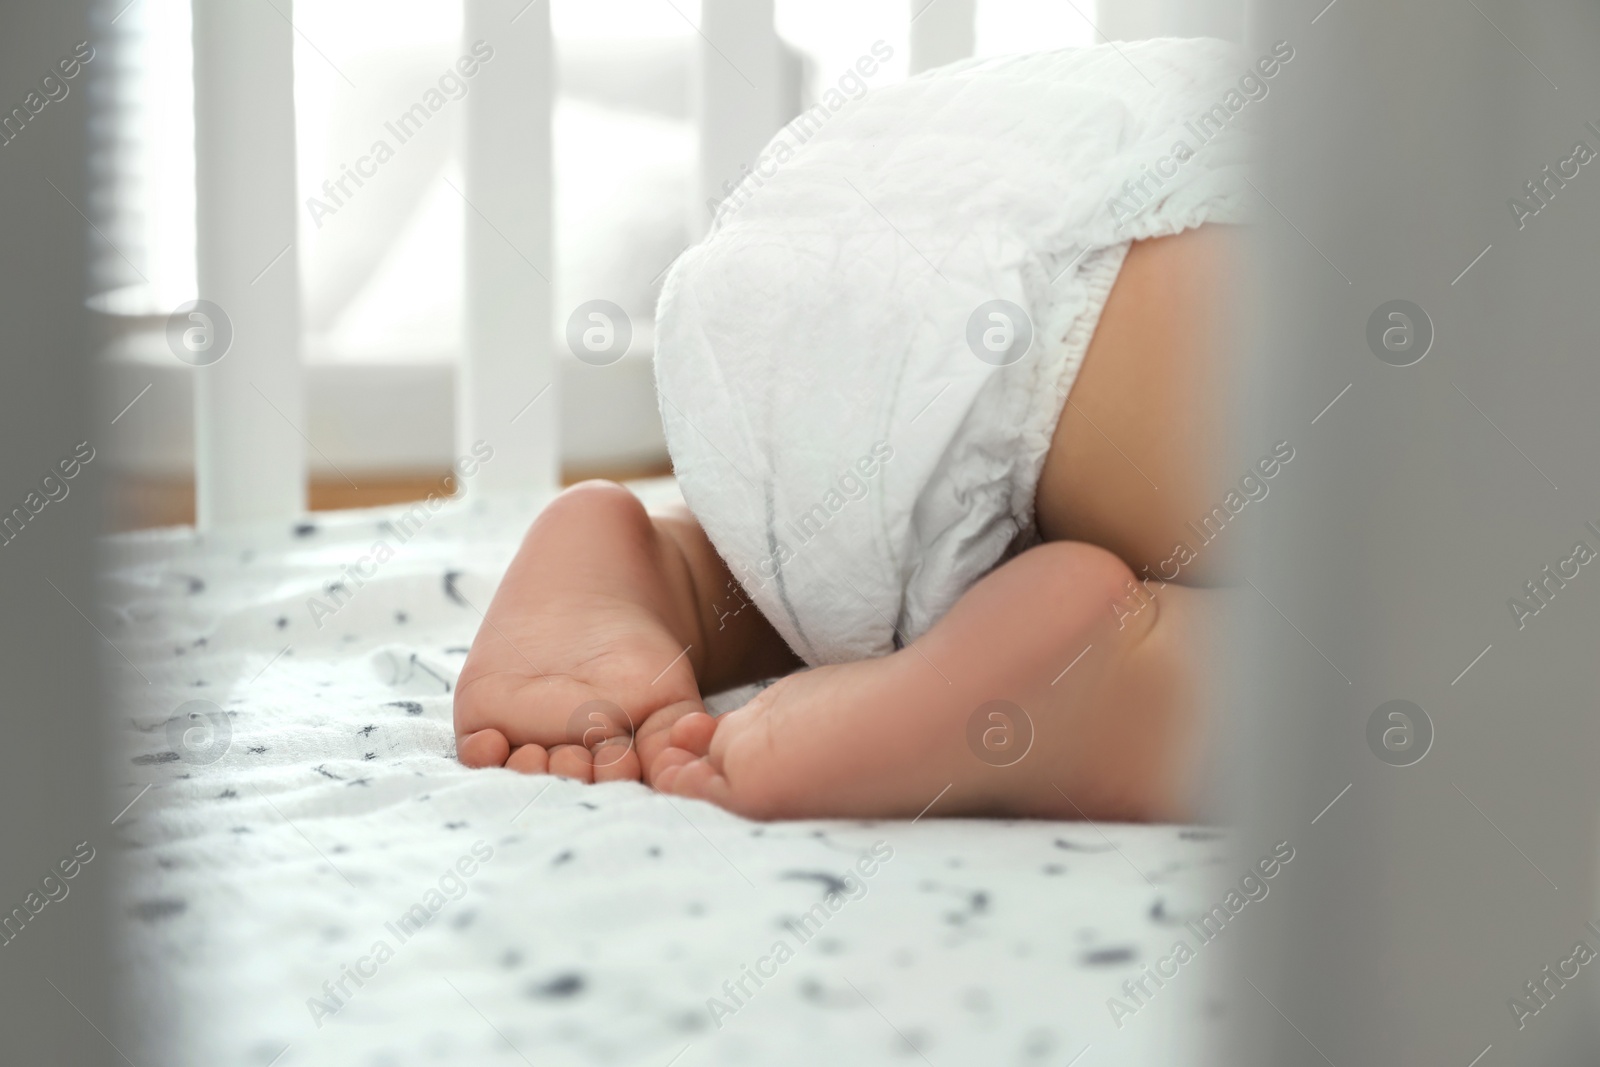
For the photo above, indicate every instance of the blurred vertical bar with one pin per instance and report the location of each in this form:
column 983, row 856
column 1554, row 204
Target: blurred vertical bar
column 1130, row 20
column 54, row 990
column 942, row 31
column 738, row 97
column 1415, row 690
column 508, row 389
column 245, row 337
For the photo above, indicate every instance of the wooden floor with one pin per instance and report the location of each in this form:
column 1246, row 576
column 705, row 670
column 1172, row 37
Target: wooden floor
column 138, row 503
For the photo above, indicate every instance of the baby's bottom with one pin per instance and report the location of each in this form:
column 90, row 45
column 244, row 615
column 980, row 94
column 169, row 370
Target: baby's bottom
column 602, row 598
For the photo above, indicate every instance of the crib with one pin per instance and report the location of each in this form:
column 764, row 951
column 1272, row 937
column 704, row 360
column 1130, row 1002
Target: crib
column 324, row 808
column 325, row 794
column 260, row 860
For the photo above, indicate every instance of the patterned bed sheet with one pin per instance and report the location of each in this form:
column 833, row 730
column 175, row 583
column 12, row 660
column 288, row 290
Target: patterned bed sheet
column 307, row 876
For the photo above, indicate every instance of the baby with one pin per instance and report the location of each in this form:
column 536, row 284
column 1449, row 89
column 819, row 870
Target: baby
column 944, row 396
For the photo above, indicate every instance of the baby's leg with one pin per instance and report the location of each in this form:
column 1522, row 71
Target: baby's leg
column 1111, row 697
column 1139, row 451
column 595, row 614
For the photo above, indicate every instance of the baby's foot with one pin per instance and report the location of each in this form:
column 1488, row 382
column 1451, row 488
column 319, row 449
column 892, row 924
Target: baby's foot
column 1108, row 701
column 578, row 668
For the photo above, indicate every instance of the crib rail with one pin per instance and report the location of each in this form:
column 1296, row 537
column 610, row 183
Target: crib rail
column 251, row 436
column 736, row 94
column 250, row 448
column 506, row 388
column 942, row 31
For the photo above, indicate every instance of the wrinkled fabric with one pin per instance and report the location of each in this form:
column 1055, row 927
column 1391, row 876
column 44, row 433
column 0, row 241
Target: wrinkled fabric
column 259, row 858
column 830, row 421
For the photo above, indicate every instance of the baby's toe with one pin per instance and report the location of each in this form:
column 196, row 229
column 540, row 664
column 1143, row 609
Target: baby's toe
column 693, row 733
column 662, row 780
column 529, row 759
column 666, row 764
column 654, row 736
column 615, row 760
column 572, row 761
column 699, row 780
column 485, row 748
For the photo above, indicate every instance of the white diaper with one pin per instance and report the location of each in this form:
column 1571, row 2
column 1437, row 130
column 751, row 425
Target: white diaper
column 856, row 425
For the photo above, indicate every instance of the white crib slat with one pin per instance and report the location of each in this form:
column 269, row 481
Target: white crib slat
column 738, row 96
column 249, row 404
column 942, row 31
column 506, row 394
column 1130, row 20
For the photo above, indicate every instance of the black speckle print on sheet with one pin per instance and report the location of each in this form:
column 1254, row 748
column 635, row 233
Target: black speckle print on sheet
column 536, row 917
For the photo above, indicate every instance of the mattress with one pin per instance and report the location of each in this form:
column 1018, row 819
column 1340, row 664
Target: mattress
column 307, row 876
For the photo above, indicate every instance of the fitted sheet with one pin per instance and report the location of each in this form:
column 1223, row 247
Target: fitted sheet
column 605, row 918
